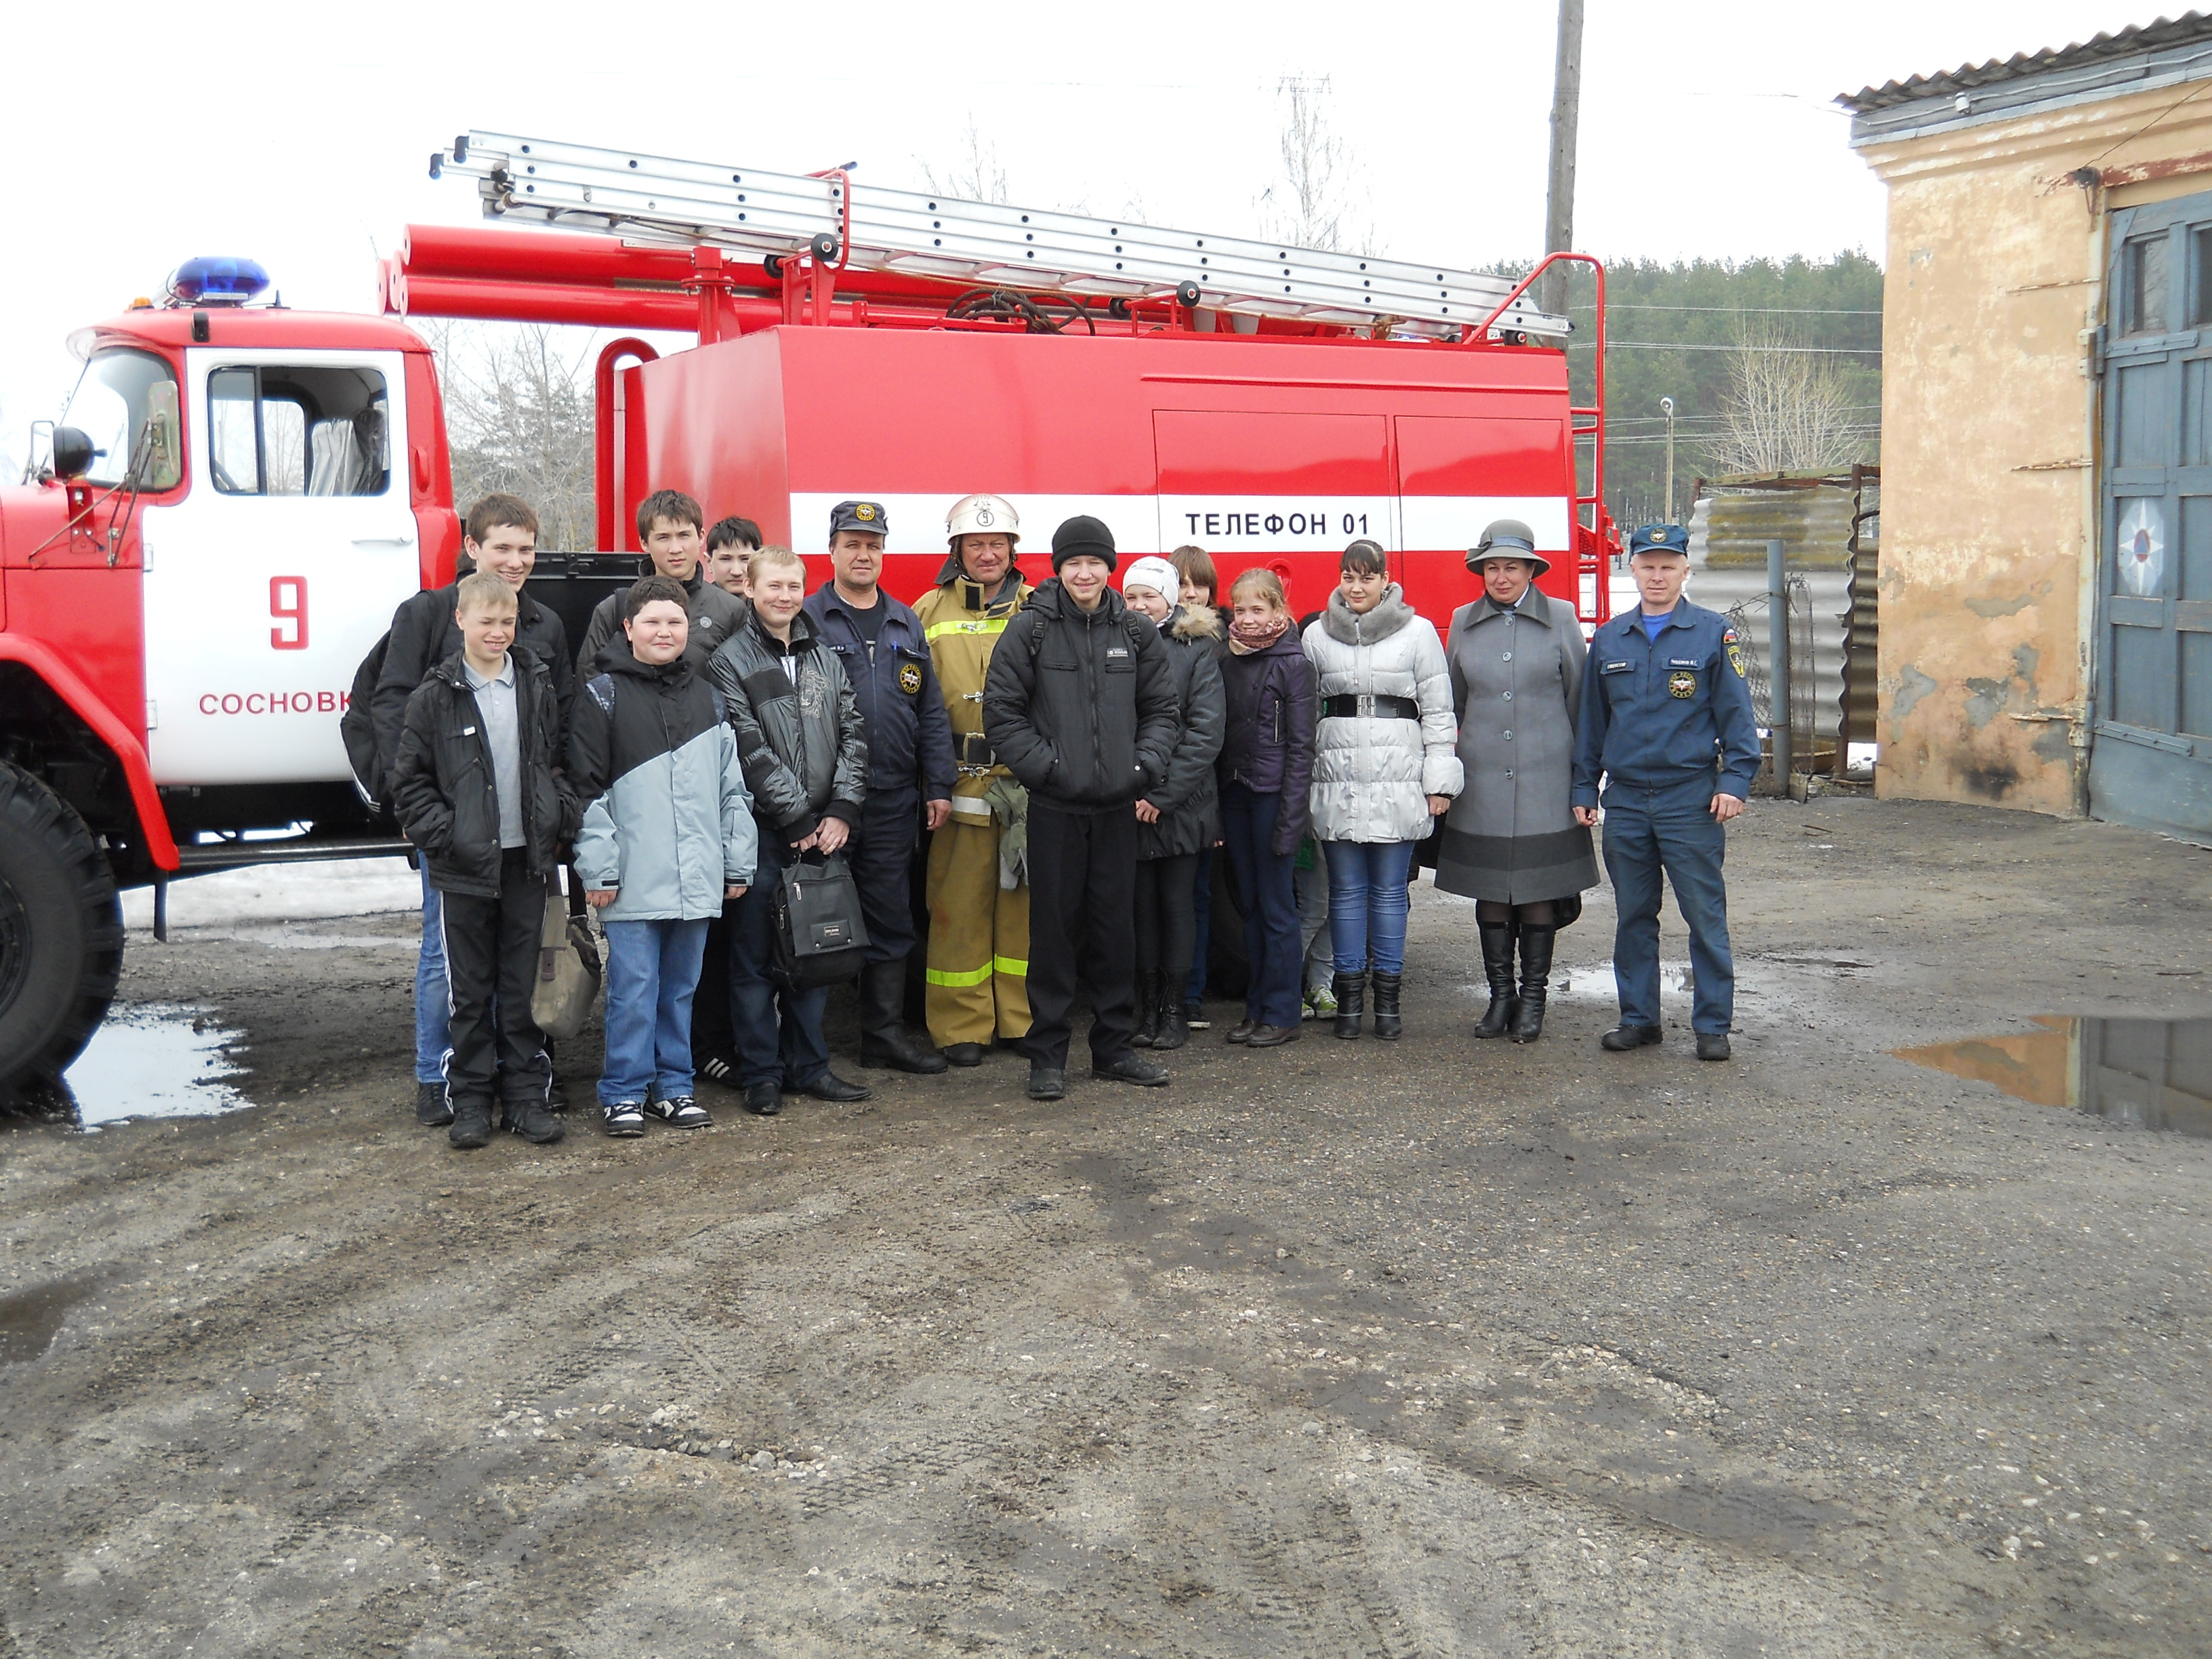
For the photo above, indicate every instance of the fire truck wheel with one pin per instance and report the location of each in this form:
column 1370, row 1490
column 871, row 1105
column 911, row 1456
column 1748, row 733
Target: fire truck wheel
column 61, row 931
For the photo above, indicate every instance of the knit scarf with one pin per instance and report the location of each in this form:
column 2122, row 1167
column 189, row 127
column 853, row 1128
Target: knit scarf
column 1246, row 636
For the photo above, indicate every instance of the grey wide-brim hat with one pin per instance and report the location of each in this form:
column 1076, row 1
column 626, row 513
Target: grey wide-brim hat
column 1507, row 539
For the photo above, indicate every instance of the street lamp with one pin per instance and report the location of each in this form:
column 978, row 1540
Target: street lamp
column 1667, row 408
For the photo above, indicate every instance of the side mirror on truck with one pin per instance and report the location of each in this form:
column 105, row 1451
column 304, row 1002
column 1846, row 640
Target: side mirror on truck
column 73, row 453
column 157, row 459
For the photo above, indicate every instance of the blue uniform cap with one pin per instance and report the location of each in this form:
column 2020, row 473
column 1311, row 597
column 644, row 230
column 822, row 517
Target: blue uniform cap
column 1660, row 538
column 857, row 516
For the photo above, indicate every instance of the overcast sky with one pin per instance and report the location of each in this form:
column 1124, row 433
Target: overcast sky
column 139, row 136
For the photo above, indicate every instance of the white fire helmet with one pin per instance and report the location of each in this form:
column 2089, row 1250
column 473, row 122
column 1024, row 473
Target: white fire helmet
column 974, row 515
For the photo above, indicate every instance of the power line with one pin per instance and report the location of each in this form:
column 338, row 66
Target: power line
column 1665, row 345
column 1755, row 311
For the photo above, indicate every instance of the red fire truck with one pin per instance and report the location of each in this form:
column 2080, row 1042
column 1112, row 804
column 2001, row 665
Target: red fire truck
column 240, row 494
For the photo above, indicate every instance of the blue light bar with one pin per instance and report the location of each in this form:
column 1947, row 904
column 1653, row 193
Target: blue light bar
column 213, row 282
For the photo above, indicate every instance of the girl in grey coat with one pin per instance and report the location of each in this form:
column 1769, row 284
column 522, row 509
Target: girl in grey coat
column 1383, row 770
column 1511, row 841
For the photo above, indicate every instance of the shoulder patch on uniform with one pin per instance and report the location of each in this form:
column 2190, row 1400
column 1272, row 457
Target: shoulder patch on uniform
column 1735, row 651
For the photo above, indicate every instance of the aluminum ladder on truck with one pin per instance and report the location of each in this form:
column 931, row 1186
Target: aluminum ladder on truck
column 825, row 218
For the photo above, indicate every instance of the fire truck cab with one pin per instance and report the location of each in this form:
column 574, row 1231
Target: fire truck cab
column 234, row 501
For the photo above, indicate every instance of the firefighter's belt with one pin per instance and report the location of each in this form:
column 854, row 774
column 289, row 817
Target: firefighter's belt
column 974, row 749
column 1364, row 706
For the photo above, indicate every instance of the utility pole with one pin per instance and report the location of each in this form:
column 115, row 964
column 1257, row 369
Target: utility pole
column 1667, row 408
column 1566, row 105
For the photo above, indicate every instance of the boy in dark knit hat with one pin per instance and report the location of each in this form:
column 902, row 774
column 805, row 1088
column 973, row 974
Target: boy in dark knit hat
column 1080, row 705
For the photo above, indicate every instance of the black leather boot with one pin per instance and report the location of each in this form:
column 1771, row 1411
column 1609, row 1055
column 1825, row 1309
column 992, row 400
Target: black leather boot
column 1535, row 982
column 1148, row 1012
column 884, row 1040
column 1498, row 969
column 1387, row 1022
column 1167, row 993
column 1350, row 992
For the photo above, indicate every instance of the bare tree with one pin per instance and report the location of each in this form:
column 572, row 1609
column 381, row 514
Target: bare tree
column 1788, row 407
column 975, row 174
column 519, row 419
column 1315, row 202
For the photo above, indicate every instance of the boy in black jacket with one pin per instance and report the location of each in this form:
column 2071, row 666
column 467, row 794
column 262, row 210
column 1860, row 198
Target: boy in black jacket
column 477, row 786
column 1080, row 705
column 500, row 539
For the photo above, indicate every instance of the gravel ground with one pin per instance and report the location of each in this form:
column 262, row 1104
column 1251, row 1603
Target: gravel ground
column 1437, row 1347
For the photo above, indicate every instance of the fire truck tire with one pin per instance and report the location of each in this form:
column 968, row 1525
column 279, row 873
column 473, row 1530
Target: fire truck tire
column 61, row 931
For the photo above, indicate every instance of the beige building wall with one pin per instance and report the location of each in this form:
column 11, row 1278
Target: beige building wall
column 1995, row 287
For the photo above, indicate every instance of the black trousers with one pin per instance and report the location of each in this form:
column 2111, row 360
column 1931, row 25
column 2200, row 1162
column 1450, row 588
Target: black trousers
column 491, row 964
column 711, row 1037
column 880, row 855
column 1083, row 878
column 1167, row 917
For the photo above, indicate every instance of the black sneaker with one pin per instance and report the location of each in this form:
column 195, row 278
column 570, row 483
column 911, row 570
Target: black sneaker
column 1712, row 1045
column 1132, row 1068
column 1047, row 1083
column 432, row 1110
column 626, row 1118
column 537, row 1122
column 1622, row 1038
column 1193, row 1015
column 717, row 1068
column 471, row 1125
column 680, row 1112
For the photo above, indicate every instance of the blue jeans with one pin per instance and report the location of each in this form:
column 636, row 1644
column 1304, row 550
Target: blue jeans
column 1647, row 831
column 788, row 1051
column 653, row 969
column 1202, row 904
column 1367, row 902
column 433, row 1002
column 1271, row 906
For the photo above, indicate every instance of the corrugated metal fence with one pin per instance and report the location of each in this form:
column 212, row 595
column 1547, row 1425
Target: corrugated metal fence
column 1828, row 525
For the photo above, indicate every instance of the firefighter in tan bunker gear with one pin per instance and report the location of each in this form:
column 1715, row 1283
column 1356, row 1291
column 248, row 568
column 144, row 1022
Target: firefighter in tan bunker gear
column 979, row 925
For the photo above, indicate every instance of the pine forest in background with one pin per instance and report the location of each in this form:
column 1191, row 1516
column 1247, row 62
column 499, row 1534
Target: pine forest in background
column 1775, row 362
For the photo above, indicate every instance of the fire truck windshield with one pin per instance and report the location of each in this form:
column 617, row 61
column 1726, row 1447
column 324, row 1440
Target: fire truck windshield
column 126, row 404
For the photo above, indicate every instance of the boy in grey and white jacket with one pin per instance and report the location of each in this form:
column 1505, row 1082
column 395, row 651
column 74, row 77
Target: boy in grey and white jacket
column 667, row 834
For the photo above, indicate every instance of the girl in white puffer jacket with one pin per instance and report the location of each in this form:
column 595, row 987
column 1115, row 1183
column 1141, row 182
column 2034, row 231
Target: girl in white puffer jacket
column 1385, row 765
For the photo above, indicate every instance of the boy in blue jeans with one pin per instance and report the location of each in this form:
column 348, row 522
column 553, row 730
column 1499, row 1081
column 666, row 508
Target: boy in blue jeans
column 668, row 834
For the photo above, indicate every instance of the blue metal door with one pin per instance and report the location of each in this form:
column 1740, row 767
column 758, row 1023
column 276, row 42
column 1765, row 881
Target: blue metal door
column 2150, row 762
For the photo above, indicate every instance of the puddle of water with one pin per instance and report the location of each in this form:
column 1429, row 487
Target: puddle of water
column 148, row 1060
column 2144, row 1074
column 31, row 1320
column 1595, row 983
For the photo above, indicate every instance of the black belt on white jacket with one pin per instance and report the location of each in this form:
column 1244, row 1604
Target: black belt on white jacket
column 1363, row 705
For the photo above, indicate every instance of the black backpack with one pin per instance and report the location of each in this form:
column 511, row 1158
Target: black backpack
column 358, row 731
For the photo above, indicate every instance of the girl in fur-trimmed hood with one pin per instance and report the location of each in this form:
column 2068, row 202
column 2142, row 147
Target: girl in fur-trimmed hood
column 1178, row 822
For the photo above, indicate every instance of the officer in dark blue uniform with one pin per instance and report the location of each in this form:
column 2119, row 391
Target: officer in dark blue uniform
column 1667, row 722
column 911, row 769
